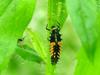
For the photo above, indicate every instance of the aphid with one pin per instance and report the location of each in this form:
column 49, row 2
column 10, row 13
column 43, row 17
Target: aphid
column 55, row 43
column 20, row 42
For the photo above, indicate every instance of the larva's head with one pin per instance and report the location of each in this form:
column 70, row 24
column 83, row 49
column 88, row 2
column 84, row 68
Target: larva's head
column 56, row 28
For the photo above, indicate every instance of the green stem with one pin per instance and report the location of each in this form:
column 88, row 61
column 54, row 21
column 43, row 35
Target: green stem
column 50, row 69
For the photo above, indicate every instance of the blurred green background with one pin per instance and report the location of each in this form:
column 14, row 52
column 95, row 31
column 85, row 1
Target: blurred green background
column 70, row 47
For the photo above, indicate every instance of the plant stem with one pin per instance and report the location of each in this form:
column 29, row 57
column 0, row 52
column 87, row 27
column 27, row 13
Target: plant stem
column 50, row 69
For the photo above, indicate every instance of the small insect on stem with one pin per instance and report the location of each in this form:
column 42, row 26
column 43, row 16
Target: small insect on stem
column 20, row 42
column 55, row 43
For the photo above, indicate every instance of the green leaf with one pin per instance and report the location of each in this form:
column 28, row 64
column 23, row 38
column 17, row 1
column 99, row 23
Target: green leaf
column 98, row 16
column 41, row 45
column 14, row 18
column 56, row 12
column 84, row 66
column 86, row 19
column 97, row 59
column 83, row 15
column 29, row 55
column 37, row 43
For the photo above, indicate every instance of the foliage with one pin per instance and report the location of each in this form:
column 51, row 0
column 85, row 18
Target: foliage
column 14, row 17
column 79, row 22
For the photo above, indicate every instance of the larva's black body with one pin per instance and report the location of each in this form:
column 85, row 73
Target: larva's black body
column 55, row 44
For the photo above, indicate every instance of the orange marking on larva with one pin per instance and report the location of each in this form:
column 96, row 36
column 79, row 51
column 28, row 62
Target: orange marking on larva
column 52, row 44
column 51, row 48
column 51, row 52
column 59, row 43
